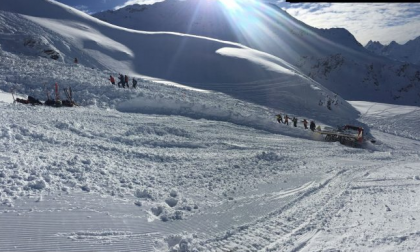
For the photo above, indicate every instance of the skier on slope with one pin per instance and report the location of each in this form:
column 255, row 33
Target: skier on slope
column 294, row 120
column 126, row 81
column 312, row 126
column 305, row 123
column 121, row 80
column 134, row 83
column 279, row 118
column 111, row 78
column 286, row 120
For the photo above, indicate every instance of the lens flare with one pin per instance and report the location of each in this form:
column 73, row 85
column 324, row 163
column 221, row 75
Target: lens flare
column 230, row 4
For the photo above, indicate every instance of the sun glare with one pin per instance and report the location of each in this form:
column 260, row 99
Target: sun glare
column 230, row 4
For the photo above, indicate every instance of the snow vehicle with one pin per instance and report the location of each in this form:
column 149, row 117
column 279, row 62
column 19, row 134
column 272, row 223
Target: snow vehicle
column 348, row 135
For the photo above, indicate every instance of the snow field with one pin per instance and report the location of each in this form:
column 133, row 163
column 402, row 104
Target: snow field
column 202, row 159
column 253, row 76
column 90, row 87
column 379, row 213
column 394, row 120
column 166, row 168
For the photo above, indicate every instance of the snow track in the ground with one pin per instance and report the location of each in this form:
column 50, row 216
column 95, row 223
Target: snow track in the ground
column 77, row 178
column 224, row 179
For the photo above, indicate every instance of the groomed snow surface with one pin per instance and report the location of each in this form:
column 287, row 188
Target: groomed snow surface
column 193, row 171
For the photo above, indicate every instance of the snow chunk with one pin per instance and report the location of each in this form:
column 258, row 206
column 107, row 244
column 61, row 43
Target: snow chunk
column 268, row 156
column 85, row 188
column 157, row 210
column 171, row 202
column 179, row 243
column 173, row 193
column 144, row 193
column 38, row 185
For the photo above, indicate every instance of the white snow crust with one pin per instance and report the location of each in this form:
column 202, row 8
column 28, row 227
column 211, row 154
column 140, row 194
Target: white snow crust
column 178, row 167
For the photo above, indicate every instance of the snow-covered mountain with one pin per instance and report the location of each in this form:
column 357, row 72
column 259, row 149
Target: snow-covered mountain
column 332, row 57
column 408, row 52
column 199, row 62
column 167, row 167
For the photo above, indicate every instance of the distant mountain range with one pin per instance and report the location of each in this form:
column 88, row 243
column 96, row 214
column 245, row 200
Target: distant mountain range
column 332, row 57
column 408, row 52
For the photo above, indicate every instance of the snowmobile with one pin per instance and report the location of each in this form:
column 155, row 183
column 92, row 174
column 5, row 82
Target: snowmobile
column 347, row 135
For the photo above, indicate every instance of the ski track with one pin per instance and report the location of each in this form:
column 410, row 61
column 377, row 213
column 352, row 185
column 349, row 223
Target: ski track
column 249, row 211
column 268, row 211
column 320, row 205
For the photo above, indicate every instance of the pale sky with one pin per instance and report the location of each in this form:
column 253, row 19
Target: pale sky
column 383, row 22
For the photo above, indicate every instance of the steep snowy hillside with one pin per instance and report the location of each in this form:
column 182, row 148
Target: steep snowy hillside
column 332, row 57
column 193, row 171
column 252, row 23
column 198, row 62
column 409, row 52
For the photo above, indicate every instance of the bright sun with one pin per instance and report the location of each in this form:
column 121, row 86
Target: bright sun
column 230, row 4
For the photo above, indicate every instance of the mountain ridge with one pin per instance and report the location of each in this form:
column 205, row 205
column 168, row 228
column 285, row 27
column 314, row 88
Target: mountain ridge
column 197, row 62
column 408, row 52
column 274, row 31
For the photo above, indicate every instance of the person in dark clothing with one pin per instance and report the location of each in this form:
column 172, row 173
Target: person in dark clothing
column 31, row 100
column 279, row 118
column 121, row 80
column 112, row 80
column 134, row 83
column 312, row 126
column 294, row 120
column 24, row 101
column 76, row 61
column 286, row 120
column 305, row 123
column 126, row 81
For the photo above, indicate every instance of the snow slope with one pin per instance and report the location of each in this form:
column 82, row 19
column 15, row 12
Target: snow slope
column 6, row 97
column 198, row 62
column 191, row 169
column 332, row 57
column 170, row 178
column 409, row 52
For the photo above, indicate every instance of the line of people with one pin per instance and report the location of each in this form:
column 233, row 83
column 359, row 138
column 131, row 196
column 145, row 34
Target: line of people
column 123, row 81
column 295, row 121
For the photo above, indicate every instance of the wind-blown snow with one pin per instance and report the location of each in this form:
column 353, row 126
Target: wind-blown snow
column 266, row 61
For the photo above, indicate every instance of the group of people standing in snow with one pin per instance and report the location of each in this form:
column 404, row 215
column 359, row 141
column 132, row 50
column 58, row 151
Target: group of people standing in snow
column 295, row 121
column 123, row 81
